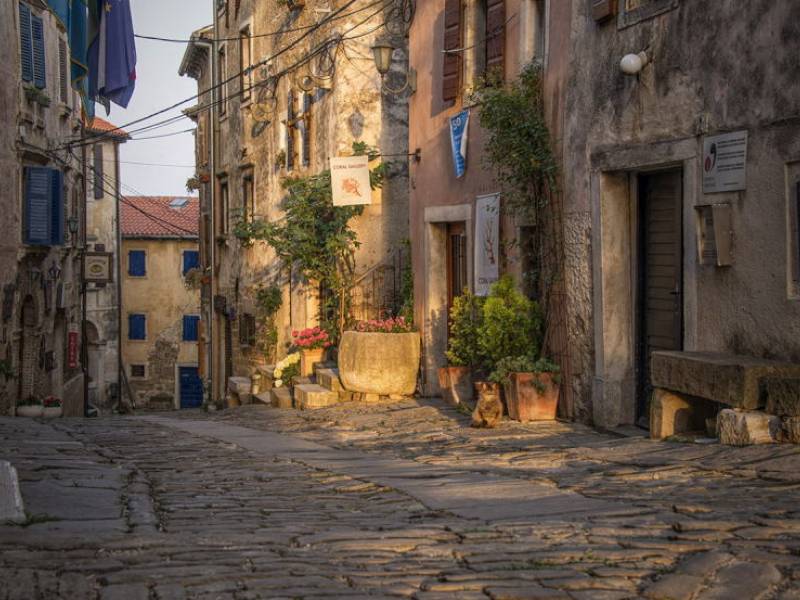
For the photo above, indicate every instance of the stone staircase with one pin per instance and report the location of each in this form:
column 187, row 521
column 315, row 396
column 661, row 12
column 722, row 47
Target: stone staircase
column 322, row 389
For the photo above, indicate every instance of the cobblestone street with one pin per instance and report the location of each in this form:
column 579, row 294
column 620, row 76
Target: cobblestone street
column 328, row 504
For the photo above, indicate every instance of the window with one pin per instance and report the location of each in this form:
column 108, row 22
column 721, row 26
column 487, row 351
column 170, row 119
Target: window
column 32, row 54
column 137, row 263
column 137, row 326
column 794, row 231
column 223, row 208
column 63, row 71
column 99, row 188
column 223, row 86
column 533, row 31
column 190, row 328
column 492, row 38
column 247, row 330
column 248, row 198
column 451, row 70
column 245, row 61
column 290, row 127
column 305, row 131
column 138, row 371
column 636, row 11
column 44, row 207
column 191, row 260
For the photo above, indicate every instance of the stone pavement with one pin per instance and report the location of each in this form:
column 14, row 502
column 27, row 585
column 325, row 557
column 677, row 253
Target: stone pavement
column 197, row 505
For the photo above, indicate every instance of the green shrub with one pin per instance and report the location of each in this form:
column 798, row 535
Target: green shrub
column 521, row 364
column 466, row 317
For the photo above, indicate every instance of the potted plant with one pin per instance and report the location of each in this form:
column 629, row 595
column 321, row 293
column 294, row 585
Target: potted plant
column 312, row 343
column 510, row 326
column 380, row 356
column 463, row 352
column 30, row 407
column 52, row 407
column 285, row 370
column 531, row 387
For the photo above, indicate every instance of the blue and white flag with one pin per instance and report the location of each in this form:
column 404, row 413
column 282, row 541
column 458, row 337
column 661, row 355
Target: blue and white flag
column 459, row 129
column 112, row 54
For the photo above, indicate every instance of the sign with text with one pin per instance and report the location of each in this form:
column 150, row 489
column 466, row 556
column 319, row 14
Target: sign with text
column 73, row 348
column 487, row 243
column 98, row 267
column 725, row 162
column 459, row 130
column 350, row 180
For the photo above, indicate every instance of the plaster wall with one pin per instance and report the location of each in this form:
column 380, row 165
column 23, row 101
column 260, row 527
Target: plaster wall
column 163, row 297
column 715, row 67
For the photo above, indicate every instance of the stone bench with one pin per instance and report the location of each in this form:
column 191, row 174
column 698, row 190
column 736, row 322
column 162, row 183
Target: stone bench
column 689, row 386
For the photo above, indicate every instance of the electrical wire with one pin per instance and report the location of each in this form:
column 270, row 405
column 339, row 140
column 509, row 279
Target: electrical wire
column 249, row 69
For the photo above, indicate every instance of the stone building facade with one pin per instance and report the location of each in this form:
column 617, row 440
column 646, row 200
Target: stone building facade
column 679, row 239
column 314, row 91
column 102, row 235
column 42, row 202
column 160, row 304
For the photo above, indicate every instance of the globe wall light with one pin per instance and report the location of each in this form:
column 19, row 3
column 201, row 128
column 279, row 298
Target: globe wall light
column 632, row 64
column 383, row 52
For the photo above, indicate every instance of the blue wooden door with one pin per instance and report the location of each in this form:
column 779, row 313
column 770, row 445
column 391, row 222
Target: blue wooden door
column 191, row 387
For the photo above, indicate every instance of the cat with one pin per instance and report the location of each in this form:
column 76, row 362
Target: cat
column 489, row 409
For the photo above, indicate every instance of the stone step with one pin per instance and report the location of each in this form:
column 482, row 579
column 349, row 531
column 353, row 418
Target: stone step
column 329, row 378
column 300, row 380
column 325, row 364
column 310, row 396
column 281, row 398
column 239, row 385
column 265, row 397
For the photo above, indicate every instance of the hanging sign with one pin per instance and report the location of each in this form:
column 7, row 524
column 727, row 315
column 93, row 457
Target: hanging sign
column 487, row 243
column 72, row 349
column 459, row 129
column 725, row 162
column 98, row 267
column 350, row 180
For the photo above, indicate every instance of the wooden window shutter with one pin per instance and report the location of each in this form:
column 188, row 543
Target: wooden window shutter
column 37, row 35
column 290, row 131
column 63, row 72
column 98, row 171
column 37, row 206
column 56, row 207
column 25, row 42
column 451, row 71
column 306, row 130
column 495, row 36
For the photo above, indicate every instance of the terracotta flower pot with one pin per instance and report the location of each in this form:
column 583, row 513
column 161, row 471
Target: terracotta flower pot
column 456, row 385
column 307, row 360
column 31, row 410
column 532, row 397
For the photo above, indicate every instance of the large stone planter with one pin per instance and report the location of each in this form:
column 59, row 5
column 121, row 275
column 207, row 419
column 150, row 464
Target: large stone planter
column 31, row 410
column 456, row 385
column 379, row 363
column 52, row 412
column 532, row 397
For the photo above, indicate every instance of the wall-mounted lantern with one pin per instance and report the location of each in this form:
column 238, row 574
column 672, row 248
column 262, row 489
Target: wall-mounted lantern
column 383, row 53
column 632, row 64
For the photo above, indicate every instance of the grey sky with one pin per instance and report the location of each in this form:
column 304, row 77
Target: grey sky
column 158, row 86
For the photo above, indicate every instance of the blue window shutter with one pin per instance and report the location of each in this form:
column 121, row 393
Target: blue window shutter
column 37, row 35
column 38, row 203
column 57, row 207
column 191, row 260
column 137, row 327
column 137, row 263
column 190, row 328
column 25, row 43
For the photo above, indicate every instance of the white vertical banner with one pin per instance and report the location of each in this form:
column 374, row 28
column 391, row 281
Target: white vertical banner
column 487, row 243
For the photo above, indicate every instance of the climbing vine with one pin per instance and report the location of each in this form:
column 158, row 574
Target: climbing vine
column 314, row 237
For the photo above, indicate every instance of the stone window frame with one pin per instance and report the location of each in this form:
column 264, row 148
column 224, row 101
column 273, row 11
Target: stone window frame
column 138, row 377
column 652, row 8
column 534, row 31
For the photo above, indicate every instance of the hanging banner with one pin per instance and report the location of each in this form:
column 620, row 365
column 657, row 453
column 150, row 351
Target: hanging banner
column 487, row 243
column 72, row 349
column 350, row 180
column 459, row 129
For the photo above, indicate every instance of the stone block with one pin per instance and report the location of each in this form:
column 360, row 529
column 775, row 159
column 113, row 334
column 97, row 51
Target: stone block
column 309, row 396
column 791, row 430
column 725, row 378
column 161, row 401
column 745, row 428
column 300, row 380
column 281, row 397
column 329, row 378
column 783, row 396
column 379, row 363
column 239, row 385
column 672, row 413
column 264, row 397
column 12, row 510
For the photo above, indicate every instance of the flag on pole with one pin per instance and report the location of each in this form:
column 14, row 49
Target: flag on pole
column 112, row 53
column 74, row 17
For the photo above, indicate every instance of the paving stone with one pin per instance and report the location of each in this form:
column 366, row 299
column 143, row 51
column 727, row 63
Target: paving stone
column 674, row 587
column 743, row 580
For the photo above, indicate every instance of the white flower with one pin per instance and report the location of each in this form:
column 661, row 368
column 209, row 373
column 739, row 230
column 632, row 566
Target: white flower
column 279, row 383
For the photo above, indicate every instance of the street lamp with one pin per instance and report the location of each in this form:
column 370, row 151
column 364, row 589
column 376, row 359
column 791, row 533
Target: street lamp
column 383, row 53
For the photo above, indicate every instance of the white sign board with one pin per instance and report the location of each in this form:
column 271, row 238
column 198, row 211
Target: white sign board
column 487, row 243
column 350, row 180
column 725, row 162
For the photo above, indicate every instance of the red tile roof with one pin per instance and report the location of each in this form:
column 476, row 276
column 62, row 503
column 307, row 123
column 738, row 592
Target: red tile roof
column 98, row 125
column 153, row 217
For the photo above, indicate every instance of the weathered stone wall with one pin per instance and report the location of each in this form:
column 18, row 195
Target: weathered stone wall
column 715, row 67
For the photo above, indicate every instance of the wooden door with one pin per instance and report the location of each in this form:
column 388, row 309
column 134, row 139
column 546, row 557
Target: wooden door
column 660, row 301
column 191, row 387
column 456, row 262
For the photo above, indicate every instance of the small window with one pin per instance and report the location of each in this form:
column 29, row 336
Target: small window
column 191, row 260
column 245, row 62
column 190, row 328
column 224, row 207
column 63, row 71
column 636, row 11
column 138, row 371
column 99, row 187
column 32, row 50
column 177, row 203
column 223, row 77
column 248, row 199
column 794, row 236
column 247, row 330
column 533, row 32
column 137, row 326
column 137, row 263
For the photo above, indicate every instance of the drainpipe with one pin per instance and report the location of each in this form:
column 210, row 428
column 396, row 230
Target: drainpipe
column 82, row 253
column 118, row 275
